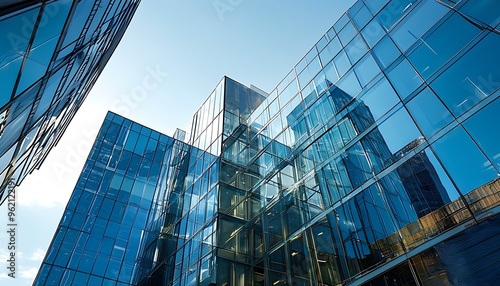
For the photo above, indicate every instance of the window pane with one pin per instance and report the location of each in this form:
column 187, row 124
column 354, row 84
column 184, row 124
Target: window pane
column 362, row 17
column 366, row 70
column 423, row 16
column 357, row 165
column 427, row 185
column 9, row 72
column 429, row 112
column 343, row 20
column 12, row 48
column 399, row 275
column 472, row 78
column 309, row 72
column 483, row 128
column 341, row 63
column 404, row 79
column 375, row 5
column 330, row 51
column 44, row 43
column 349, row 84
column 347, row 33
column 356, row 49
column 398, row 131
column 372, row 32
column 486, row 11
column 441, row 45
column 380, row 98
column 386, row 52
column 467, row 166
column 394, row 11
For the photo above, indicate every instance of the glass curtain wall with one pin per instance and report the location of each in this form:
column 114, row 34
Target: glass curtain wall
column 116, row 197
column 51, row 53
column 368, row 158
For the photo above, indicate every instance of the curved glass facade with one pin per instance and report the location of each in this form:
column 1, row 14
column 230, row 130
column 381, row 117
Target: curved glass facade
column 51, row 53
column 373, row 162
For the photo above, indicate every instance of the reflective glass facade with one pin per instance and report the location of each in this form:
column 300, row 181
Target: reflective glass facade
column 373, row 162
column 51, row 53
column 99, row 235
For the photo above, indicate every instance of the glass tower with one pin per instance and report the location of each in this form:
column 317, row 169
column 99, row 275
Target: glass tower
column 375, row 161
column 51, row 53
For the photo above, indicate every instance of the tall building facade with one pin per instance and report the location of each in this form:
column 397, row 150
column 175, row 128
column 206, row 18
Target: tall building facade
column 51, row 53
column 99, row 235
column 375, row 161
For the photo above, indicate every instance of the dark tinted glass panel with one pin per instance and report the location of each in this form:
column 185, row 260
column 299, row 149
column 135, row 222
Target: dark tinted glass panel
column 299, row 259
column 463, row 256
column 430, row 268
column 328, row 260
column 426, row 184
column 486, row 11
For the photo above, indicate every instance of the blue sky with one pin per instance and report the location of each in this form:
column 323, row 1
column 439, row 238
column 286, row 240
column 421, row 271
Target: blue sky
column 170, row 59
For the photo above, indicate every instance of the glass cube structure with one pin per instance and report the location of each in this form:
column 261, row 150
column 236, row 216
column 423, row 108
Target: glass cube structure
column 51, row 53
column 375, row 161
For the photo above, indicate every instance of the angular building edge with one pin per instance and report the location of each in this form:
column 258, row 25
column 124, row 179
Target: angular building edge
column 37, row 106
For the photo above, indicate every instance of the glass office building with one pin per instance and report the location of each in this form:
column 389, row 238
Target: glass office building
column 51, row 53
column 99, row 235
column 375, row 161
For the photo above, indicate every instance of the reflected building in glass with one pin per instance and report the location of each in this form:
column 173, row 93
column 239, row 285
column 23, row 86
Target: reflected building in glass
column 375, row 161
column 51, row 53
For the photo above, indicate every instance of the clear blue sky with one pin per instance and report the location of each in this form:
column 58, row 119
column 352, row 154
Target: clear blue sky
column 170, row 59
